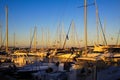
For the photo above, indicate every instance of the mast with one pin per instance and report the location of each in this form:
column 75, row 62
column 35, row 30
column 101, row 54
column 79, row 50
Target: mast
column 85, row 24
column 35, row 36
column 98, row 19
column 63, row 33
column 14, row 39
column 60, row 30
column 72, row 34
column 30, row 37
column 105, row 27
column 57, row 37
column 97, row 22
column 48, row 38
column 42, row 30
column 1, row 34
column 6, row 28
column 118, row 38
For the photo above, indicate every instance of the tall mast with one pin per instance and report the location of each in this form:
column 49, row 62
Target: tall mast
column 85, row 24
column 6, row 28
column 97, row 22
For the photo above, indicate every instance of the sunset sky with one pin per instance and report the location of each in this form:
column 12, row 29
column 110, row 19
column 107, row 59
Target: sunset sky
column 24, row 15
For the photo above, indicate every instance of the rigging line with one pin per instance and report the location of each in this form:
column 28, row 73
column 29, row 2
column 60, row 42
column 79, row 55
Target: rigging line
column 101, row 24
column 86, row 5
column 67, row 35
column 32, row 38
column 97, row 30
column 102, row 30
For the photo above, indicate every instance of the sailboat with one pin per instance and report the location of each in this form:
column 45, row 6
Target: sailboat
column 100, row 53
column 34, row 52
column 86, row 55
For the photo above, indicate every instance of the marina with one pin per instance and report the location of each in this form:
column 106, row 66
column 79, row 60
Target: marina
column 62, row 66
column 64, row 58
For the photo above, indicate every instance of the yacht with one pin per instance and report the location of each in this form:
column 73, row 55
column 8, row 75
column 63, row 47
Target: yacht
column 20, row 58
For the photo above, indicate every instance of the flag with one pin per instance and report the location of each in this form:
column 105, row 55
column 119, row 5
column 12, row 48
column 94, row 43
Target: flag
column 67, row 37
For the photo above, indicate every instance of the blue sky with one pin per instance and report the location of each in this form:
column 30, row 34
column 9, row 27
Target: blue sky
column 48, row 14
